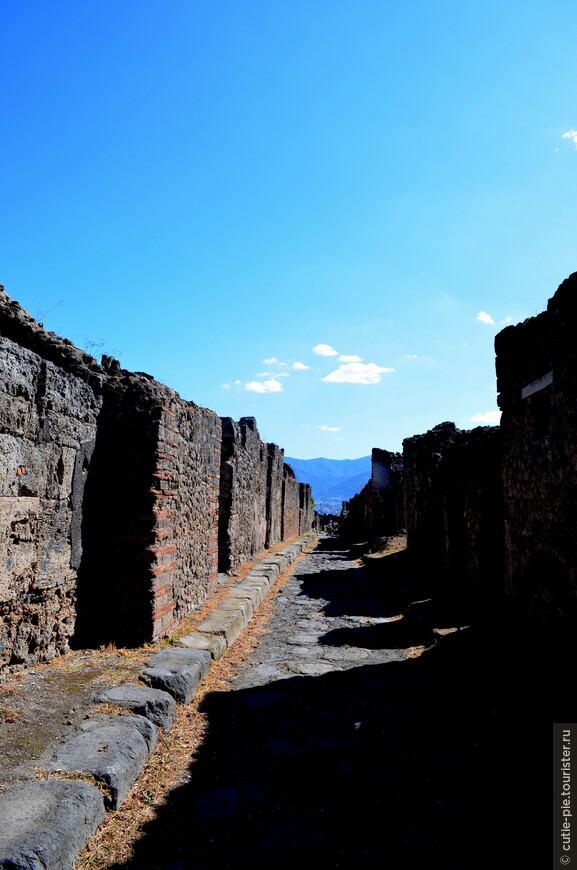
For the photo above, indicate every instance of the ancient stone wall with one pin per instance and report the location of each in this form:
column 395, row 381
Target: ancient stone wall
column 110, row 495
column 150, row 512
column 243, row 493
column 377, row 510
column 537, row 386
column 48, row 417
column 453, row 507
column 290, row 526
column 306, row 512
column 274, row 479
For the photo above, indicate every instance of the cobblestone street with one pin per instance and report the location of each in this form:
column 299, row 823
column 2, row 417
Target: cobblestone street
column 361, row 732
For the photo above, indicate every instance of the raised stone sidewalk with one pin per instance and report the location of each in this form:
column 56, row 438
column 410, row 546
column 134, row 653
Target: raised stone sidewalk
column 45, row 824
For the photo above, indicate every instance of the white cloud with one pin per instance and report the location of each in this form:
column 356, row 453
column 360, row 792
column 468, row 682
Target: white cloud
column 411, row 356
column 483, row 317
column 225, row 386
column 347, row 358
column 330, row 428
column 324, row 350
column 357, row 373
column 272, row 386
column 489, row 417
column 571, row 135
column 508, row 319
column 300, row 367
column 271, row 360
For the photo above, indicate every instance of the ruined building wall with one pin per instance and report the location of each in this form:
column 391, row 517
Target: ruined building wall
column 453, row 506
column 473, row 513
column 275, row 466
column 537, row 385
column 48, row 420
column 243, row 493
column 377, row 510
column 355, row 520
column 150, row 512
column 109, row 498
column 290, row 527
column 424, row 492
column 306, row 512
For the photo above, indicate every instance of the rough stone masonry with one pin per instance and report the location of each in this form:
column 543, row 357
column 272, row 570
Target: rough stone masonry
column 110, row 493
column 492, row 512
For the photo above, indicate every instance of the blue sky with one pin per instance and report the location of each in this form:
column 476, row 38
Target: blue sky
column 292, row 210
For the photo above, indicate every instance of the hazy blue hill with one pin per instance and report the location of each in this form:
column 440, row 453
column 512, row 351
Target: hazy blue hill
column 332, row 479
column 346, row 489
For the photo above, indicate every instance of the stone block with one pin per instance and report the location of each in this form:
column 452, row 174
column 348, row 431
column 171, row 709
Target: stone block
column 154, row 704
column 268, row 573
column 253, row 587
column 235, row 603
column 215, row 644
column 46, row 824
column 252, row 593
column 113, row 749
column 227, row 623
column 178, row 671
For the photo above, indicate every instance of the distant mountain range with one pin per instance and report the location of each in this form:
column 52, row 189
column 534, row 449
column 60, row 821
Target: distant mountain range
column 332, row 480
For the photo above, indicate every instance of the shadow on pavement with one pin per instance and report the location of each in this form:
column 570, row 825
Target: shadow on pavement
column 439, row 761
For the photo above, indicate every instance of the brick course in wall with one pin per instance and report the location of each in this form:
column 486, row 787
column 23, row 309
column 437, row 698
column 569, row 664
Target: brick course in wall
column 159, row 456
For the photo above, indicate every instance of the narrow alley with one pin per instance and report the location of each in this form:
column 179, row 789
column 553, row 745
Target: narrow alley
column 364, row 730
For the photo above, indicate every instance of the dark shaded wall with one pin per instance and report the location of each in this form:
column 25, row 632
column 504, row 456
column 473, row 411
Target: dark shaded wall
column 377, row 510
column 150, row 526
column 537, row 386
column 454, row 507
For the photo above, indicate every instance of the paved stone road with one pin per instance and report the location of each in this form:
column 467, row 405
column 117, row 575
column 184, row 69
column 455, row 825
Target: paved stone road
column 338, row 749
column 325, row 594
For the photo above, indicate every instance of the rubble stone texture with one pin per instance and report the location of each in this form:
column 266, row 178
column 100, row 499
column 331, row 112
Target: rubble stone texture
column 453, row 504
column 109, row 498
column 378, row 509
column 290, row 504
column 47, row 430
column 243, row 493
column 537, row 386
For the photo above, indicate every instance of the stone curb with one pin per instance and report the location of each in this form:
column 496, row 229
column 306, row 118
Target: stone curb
column 157, row 706
column 113, row 749
column 47, row 823
column 178, row 672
